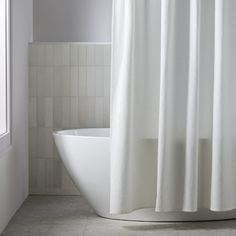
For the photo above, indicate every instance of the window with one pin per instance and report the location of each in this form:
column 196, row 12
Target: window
column 4, row 75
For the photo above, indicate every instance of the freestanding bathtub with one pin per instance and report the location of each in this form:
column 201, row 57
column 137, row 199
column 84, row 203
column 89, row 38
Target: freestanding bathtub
column 86, row 155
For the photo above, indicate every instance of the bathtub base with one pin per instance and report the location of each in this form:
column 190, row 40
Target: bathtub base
column 149, row 215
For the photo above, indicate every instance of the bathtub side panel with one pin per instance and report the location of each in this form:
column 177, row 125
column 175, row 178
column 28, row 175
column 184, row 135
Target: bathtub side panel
column 88, row 163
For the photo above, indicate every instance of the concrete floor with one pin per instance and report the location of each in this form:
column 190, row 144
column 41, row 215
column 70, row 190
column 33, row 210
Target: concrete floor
column 72, row 216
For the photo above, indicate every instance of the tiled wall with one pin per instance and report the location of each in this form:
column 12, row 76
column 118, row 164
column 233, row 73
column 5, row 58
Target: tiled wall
column 69, row 87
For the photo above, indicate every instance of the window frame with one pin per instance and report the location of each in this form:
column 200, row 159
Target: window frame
column 5, row 139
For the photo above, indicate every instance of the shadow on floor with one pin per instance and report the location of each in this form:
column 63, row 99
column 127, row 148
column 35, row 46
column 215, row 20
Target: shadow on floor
column 182, row 226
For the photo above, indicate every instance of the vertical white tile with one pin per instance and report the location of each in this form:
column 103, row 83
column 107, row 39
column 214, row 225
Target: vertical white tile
column 33, row 173
column 91, row 117
column 53, row 173
column 49, row 173
column 32, row 112
column 90, row 55
column 74, row 110
column 99, row 112
column 82, row 57
column 32, row 55
column 74, row 54
column 56, row 154
column 107, row 55
column 41, row 172
column 99, row 55
column 61, row 112
column 45, row 81
column 57, row 173
column 90, row 81
column 40, row 55
column 61, row 54
column 61, row 81
column 33, row 142
column 106, row 112
column 45, row 142
column 45, row 111
column 83, row 107
column 74, row 75
column 99, row 81
column 48, row 53
column 82, row 81
column 36, row 55
column 66, row 180
column 32, row 81
column 107, row 81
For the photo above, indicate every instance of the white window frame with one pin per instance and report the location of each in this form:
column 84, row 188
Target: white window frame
column 5, row 139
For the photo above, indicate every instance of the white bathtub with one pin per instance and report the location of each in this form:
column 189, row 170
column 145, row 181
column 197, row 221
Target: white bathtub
column 86, row 155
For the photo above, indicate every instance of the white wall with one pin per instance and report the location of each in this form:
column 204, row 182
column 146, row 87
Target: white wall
column 72, row 20
column 14, row 162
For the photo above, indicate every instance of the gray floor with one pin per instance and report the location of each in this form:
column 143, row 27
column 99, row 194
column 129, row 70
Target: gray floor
column 72, row 216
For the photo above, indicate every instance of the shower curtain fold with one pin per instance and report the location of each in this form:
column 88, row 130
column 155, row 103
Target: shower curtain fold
column 173, row 95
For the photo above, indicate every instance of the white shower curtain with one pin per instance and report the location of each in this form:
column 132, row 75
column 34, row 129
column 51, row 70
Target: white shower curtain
column 173, row 123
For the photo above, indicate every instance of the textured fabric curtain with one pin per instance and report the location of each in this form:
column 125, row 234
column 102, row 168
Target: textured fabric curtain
column 173, row 125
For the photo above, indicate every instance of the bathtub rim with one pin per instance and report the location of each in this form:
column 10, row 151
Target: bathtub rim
column 86, row 133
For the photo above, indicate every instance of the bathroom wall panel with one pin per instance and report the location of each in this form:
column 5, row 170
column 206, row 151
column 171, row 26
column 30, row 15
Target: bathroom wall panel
column 69, row 87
